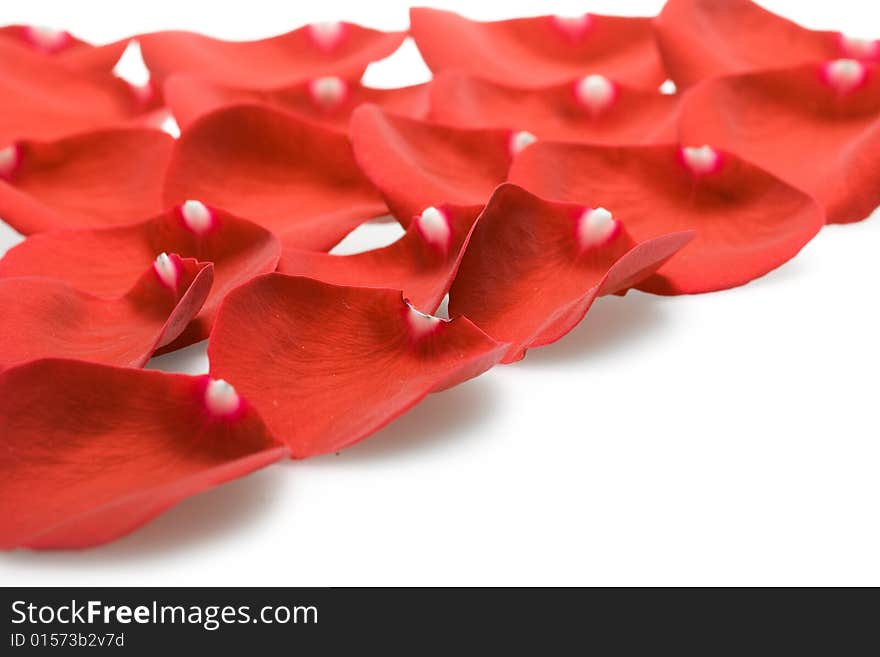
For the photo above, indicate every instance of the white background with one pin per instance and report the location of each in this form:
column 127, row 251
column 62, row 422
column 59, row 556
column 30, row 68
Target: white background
column 725, row 439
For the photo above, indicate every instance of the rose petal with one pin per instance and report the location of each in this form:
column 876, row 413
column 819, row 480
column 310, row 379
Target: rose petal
column 294, row 178
column 590, row 109
column 815, row 126
column 327, row 100
column 44, row 99
column 327, row 365
column 102, row 178
column 422, row 263
column 107, row 262
column 343, row 49
column 92, row 452
column 533, row 267
column 47, row 318
column 64, row 48
column 417, row 164
column 539, row 51
column 747, row 221
column 700, row 39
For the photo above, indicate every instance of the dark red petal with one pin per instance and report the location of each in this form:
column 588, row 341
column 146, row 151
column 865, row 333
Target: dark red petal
column 47, row 318
column 703, row 38
column 296, row 179
column 109, row 177
column 539, row 51
column 747, row 221
column 422, row 263
column 590, row 109
column 533, row 268
column 326, row 366
column 343, row 49
column 92, row 452
column 326, row 100
column 416, row 164
column 107, row 262
column 44, row 99
column 815, row 126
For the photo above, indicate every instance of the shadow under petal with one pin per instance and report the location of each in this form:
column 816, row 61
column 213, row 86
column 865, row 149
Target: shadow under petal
column 440, row 418
column 612, row 323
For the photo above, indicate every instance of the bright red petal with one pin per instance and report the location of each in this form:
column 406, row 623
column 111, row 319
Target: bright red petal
column 46, row 100
column 416, row 164
column 107, row 262
column 343, row 49
column 539, row 51
column 64, row 48
column 327, row 100
column 327, row 365
column 103, row 178
column 747, row 221
column 703, row 38
column 422, row 263
column 295, row 178
column 590, row 109
column 91, row 452
column 815, row 126
column 533, row 268
column 47, row 318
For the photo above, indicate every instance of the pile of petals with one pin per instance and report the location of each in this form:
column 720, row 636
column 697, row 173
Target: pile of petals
column 549, row 162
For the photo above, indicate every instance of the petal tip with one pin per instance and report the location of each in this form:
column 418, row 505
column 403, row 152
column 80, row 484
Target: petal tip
column 47, row 38
column 434, row 227
column 221, row 398
column 327, row 34
column 196, row 216
column 167, row 271
column 520, row 140
column 596, row 227
column 10, row 156
column 328, row 91
column 572, row 26
column 596, row 92
column 844, row 75
column 421, row 324
column 701, row 160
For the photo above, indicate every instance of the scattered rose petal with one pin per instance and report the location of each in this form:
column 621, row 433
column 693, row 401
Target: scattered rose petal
column 48, row 318
column 747, row 221
column 303, row 54
column 43, row 99
column 326, row 366
column 700, row 39
column 328, row 100
column 417, row 164
column 539, row 51
column 64, row 48
column 533, row 268
column 589, row 109
column 101, row 178
column 92, row 452
column 297, row 179
column 107, row 262
column 422, row 263
column 816, row 126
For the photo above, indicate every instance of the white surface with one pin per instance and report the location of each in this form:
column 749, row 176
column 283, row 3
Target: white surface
column 729, row 438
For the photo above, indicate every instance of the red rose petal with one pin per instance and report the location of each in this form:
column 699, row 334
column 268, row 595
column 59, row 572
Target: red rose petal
column 108, row 177
column 107, row 262
column 704, row 38
column 43, row 99
column 589, row 109
column 297, row 179
column 64, row 48
column 815, row 126
column 326, row 100
column 422, row 263
column 92, row 452
column 327, row 365
column 47, row 318
column 533, row 267
column 343, row 49
column 747, row 221
column 539, row 51
column 417, row 164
